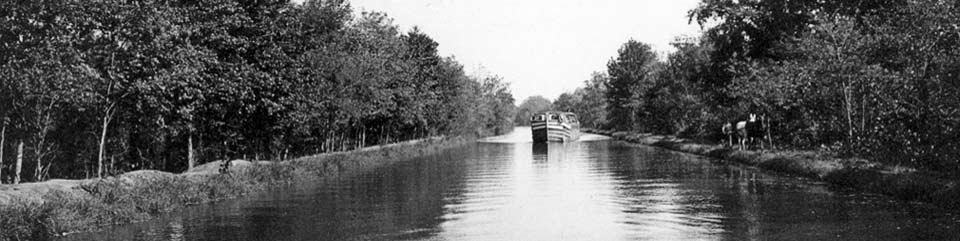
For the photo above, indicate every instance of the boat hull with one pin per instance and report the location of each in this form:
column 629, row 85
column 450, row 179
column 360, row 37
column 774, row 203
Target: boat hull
column 554, row 132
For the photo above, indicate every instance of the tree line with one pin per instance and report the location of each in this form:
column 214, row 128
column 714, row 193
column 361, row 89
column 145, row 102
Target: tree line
column 876, row 79
column 94, row 88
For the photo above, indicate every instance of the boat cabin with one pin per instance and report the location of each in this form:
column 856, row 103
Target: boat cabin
column 555, row 126
column 562, row 117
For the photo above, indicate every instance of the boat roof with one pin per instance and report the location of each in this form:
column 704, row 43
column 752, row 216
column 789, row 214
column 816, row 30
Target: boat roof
column 554, row 112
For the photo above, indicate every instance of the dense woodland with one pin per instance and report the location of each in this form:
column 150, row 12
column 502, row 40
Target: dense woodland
column 95, row 88
column 876, row 79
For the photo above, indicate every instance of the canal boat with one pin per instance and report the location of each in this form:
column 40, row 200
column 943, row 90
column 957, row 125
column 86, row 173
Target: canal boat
column 555, row 126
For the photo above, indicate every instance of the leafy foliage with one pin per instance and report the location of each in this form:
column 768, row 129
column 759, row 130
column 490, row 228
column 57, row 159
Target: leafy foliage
column 871, row 78
column 529, row 106
column 630, row 79
column 127, row 85
column 587, row 101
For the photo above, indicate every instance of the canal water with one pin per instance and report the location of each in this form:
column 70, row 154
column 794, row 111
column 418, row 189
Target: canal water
column 507, row 188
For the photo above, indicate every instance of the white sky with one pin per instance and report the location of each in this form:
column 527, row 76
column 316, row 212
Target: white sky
column 542, row 47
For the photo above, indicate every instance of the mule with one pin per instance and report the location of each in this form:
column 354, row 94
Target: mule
column 751, row 131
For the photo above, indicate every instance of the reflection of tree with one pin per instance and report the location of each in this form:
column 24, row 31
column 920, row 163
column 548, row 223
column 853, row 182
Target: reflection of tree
column 403, row 201
column 411, row 196
column 615, row 187
column 744, row 200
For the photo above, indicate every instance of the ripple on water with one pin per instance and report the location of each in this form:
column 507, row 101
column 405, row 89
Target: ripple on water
column 505, row 188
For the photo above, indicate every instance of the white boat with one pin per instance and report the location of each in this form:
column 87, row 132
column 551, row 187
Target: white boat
column 555, row 126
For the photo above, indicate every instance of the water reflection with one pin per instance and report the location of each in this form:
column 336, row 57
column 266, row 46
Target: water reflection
column 544, row 152
column 540, row 151
column 541, row 193
column 507, row 188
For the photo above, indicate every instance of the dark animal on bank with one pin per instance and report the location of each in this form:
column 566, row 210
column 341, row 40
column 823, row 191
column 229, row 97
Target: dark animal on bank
column 751, row 131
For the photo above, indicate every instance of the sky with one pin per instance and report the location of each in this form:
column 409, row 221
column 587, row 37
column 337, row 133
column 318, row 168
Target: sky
column 541, row 47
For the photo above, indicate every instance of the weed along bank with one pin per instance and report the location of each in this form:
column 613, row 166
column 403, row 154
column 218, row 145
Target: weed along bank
column 32, row 211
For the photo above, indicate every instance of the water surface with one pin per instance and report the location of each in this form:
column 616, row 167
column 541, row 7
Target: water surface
column 507, row 188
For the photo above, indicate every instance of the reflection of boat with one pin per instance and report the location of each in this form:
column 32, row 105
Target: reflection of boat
column 539, row 148
column 555, row 126
column 552, row 151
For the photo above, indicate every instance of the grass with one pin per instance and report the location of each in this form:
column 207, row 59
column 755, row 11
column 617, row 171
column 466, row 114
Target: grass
column 140, row 195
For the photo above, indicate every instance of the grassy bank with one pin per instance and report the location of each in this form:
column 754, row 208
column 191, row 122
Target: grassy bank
column 902, row 183
column 35, row 211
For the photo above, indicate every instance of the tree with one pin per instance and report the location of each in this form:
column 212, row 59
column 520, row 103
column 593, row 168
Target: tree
column 628, row 73
column 760, row 30
column 42, row 74
column 499, row 104
column 685, row 75
column 591, row 107
column 566, row 102
column 423, row 56
column 167, row 85
column 529, row 106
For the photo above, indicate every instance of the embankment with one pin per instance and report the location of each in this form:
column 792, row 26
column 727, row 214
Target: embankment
column 902, row 183
column 34, row 211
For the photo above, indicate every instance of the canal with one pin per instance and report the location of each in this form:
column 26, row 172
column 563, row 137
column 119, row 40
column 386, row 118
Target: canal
column 507, row 188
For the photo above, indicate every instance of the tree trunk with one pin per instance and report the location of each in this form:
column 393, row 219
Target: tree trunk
column 16, row 177
column 191, row 158
column 849, row 106
column 38, row 172
column 363, row 137
column 863, row 112
column 103, row 139
column 3, row 139
column 39, row 151
column 103, row 142
column 766, row 126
